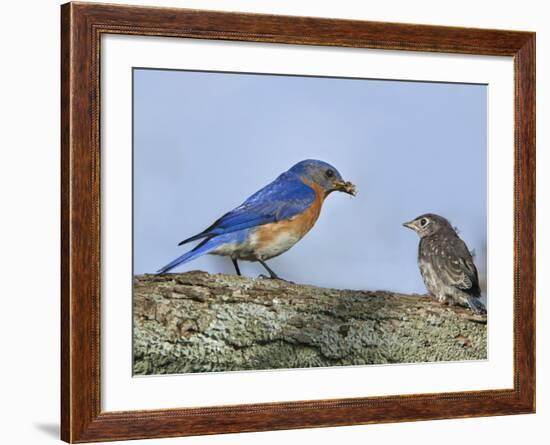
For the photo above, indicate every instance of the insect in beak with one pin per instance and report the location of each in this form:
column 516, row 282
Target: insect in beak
column 346, row 187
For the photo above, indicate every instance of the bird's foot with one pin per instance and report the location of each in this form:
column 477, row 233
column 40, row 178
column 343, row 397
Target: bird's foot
column 477, row 310
column 274, row 277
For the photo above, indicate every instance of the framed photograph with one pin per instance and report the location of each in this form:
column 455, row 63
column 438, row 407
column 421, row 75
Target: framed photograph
column 274, row 222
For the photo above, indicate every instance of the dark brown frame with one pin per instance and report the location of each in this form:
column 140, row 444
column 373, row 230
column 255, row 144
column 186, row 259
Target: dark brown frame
column 81, row 28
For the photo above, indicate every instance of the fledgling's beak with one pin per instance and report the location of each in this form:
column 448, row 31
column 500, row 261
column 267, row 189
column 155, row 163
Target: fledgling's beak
column 346, row 187
column 409, row 225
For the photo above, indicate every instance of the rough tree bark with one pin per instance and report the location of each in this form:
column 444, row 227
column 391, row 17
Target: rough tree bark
column 195, row 322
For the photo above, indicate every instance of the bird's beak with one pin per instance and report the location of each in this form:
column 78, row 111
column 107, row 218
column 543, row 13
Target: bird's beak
column 346, row 187
column 409, row 225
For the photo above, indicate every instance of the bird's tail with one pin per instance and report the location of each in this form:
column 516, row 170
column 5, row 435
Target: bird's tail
column 201, row 249
column 476, row 305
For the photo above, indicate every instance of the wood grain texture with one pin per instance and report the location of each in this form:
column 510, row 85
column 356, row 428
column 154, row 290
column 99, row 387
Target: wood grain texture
column 82, row 26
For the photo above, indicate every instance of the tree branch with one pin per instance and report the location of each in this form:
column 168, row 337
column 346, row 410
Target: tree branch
column 196, row 322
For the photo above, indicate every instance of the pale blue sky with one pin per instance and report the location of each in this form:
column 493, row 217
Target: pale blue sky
column 204, row 142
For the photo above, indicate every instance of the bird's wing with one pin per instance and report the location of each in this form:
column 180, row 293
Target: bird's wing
column 282, row 199
column 456, row 266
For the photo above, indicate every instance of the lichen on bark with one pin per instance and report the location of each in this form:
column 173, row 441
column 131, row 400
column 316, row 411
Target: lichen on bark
column 198, row 322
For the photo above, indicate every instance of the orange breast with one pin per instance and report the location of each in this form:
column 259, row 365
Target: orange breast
column 293, row 229
column 305, row 221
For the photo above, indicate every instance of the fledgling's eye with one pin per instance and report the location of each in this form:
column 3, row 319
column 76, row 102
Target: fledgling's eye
column 329, row 173
column 423, row 222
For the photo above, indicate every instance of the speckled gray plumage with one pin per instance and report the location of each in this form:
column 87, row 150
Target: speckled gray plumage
column 446, row 264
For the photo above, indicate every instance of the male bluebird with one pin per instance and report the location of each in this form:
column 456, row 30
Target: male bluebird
column 272, row 220
column 445, row 263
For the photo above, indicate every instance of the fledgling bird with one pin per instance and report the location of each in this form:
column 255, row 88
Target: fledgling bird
column 270, row 221
column 445, row 263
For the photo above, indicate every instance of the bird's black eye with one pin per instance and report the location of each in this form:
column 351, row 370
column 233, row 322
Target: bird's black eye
column 423, row 221
column 329, row 173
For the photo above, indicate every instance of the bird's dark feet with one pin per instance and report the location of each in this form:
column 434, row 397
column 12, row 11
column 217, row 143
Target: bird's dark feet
column 478, row 310
column 274, row 277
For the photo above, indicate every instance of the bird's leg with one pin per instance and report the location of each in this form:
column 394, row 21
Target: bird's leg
column 236, row 267
column 272, row 274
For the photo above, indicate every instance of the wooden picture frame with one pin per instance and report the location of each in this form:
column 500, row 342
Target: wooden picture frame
column 82, row 26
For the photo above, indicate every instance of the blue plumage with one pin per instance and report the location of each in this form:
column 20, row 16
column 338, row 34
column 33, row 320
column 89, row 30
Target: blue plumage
column 284, row 198
column 236, row 234
column 203, row 248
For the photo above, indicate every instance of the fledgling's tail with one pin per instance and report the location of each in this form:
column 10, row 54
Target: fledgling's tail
column 477, row 305
column 201, row 249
